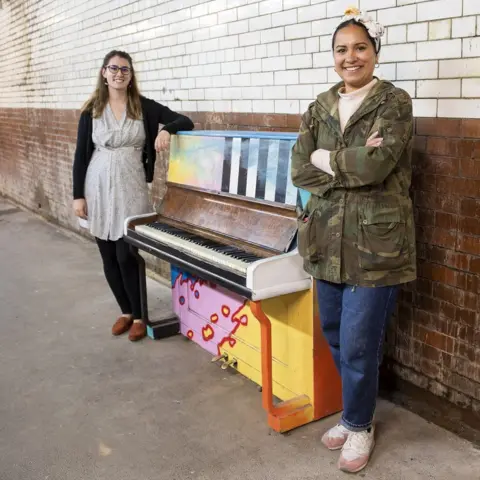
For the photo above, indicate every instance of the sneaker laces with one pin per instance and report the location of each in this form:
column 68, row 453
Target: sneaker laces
column 357, row 444
column 338, row 431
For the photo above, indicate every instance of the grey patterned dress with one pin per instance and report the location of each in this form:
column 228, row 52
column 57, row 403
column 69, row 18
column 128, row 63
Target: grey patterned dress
column 115, row 185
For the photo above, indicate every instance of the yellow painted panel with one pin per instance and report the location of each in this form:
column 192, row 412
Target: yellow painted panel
column 291, row 317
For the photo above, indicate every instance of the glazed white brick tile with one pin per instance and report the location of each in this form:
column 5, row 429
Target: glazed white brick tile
column 322, row 60
column 417, row 70
column 272, row 35
column 440, row 29
column 276, row 92
column 312, row 44
column 284, row 18
column 242, row 80
column 425, row 108
column 301, row 30
column 464, row 27
column 417, row 32
column 313, row 75
column 287, row 106
column 252, row 38
column 314, row 12
column 387, row 71
column 398, row 15
column 300, row 92
column 273, row 63
column 261, row 79
column 238, row 27
column 299, row 61
column 471, row 47
column 398, row 53
column 470, row 87
column 248, row 11
column 225, row 55
column 260, row 23
column 471, row 7
column 298, row 46
column 439, row 49
column 270, row 6
column 459, row 108
column 370, row 5
column 439, row 9
column 287, row 4
column 263, row 106
column 286, row 77
column 227, row 16
column 438, row 88
column 397, row 34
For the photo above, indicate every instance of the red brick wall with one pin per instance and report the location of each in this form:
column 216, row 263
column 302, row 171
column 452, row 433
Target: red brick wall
column 36, row 151
column 435, row 342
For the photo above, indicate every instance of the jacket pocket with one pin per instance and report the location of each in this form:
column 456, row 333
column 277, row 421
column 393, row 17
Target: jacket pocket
column 382, row 239
column 312, row 234
column 307, row 245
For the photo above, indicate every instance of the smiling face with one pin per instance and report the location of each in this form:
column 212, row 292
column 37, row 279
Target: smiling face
column 354, row 57
column 117, row 73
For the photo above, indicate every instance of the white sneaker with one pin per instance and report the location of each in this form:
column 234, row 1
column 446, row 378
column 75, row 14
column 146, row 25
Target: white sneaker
column 356, row 451
column 335, row 437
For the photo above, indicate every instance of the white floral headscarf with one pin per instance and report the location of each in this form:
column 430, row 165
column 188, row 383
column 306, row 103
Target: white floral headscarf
column 375, row 29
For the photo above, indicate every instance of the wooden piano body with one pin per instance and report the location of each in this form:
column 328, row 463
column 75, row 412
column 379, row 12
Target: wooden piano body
column 234, row 189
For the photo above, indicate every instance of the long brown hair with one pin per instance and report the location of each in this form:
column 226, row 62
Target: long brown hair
column 98, row 101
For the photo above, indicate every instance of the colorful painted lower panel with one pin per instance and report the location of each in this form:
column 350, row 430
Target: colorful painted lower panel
column 278, row 344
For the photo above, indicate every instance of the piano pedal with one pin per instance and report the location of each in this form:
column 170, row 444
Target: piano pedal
column 232, row 363
column 223, row 356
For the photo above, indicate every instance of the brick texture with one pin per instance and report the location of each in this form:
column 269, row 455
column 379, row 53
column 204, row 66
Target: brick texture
column 435, row 341
column 190, row 55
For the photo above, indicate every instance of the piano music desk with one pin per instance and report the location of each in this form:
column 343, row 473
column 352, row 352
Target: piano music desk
column 270, row 333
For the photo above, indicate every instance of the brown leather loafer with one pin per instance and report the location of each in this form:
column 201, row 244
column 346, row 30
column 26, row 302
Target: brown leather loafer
column 137, row 332
column 122, row 325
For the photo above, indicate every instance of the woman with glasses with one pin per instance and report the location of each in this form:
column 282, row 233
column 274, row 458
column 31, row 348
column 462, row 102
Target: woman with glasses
column 118, row 136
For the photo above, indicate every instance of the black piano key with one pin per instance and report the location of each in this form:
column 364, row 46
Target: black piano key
column 207, row 243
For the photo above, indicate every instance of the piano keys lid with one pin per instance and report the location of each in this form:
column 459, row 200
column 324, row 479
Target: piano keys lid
column 266, row 227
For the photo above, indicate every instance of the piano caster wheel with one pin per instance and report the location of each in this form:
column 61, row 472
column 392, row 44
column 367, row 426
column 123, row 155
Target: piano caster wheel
column 231, row 363
column 223, row 356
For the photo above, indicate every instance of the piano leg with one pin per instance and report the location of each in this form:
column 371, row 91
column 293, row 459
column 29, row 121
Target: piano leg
column 142, row 275
column 167, row 325
column 288, row 414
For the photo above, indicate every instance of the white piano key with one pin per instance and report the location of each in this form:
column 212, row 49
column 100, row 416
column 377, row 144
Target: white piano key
column 200, row 252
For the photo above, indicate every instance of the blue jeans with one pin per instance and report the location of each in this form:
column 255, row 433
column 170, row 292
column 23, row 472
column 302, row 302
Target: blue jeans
column 353, row 321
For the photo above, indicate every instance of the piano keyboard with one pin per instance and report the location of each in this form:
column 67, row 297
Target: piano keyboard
column 225, row 256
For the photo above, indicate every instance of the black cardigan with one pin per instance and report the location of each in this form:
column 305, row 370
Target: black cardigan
column 153, row 114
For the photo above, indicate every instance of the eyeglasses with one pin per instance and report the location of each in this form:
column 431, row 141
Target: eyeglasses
column 116, row 69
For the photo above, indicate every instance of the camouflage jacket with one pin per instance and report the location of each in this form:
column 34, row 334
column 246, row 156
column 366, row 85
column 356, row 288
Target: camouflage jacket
column 357, row 226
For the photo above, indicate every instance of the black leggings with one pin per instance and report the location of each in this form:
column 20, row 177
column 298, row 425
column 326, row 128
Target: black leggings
column 121, row 272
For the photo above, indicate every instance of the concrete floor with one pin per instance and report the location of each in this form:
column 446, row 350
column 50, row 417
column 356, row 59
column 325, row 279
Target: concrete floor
column 78, row 404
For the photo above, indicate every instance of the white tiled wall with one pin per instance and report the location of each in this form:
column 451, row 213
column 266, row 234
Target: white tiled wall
column 234, row 55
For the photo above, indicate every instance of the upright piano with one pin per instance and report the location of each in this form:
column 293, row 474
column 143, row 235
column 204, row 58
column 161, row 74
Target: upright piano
column 227, row 225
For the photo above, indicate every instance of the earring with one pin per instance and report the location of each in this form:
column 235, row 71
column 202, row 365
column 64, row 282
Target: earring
column 377, row 65
column 105, row 82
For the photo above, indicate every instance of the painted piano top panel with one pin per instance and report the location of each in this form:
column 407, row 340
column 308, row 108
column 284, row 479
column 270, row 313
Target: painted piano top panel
column 251, row 164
